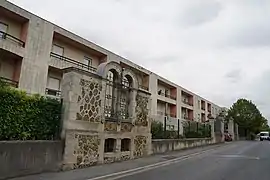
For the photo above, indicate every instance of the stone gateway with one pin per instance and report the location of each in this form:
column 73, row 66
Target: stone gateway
column 106, row 118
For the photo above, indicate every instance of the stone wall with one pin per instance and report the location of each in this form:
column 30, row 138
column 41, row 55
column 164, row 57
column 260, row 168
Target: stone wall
column 166, row 145
column 18, row 158
column 85, row 127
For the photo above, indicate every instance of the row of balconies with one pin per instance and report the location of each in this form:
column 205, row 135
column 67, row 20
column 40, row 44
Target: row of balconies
column 61, row 61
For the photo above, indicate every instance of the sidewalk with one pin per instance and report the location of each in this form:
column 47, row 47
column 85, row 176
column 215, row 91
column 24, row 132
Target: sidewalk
column 100, row 170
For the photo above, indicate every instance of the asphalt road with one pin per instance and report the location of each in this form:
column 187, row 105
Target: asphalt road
column 247, row 160
column 242, row 160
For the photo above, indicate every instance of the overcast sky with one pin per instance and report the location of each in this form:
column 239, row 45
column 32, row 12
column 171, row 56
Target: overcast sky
column 219, row 49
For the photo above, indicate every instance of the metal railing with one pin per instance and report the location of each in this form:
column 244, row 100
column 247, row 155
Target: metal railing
column 53, row 93
column 188, row 103
column 73, row 62
column 11, row 38
column 143, row 87
column 167, row 128
column 166, row 95
column 10, row 82
column 166, row 114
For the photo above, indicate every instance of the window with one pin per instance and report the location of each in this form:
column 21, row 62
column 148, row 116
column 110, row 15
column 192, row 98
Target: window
column 87, row 61
column 53, row 83
column 53, row 86
column 125, row 144
column 109, row 145
column 199, row 104
column 58, row 50
column 3, row 29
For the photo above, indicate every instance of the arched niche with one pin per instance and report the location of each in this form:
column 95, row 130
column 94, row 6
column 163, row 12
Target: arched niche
column 104, row 69
column 132, row 78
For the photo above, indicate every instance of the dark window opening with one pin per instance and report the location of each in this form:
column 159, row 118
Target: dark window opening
column 125, row 144
column 109, row 145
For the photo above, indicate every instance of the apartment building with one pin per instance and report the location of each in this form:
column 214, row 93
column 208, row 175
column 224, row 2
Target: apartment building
column 33, row 53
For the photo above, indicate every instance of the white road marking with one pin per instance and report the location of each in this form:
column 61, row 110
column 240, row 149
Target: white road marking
column 129, row 172
column 238, row 156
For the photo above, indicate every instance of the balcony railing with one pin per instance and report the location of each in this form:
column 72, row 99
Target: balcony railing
column 187, row 118
column 203, row 108
column 53, row 93
column 5, row 36
column 74, row 62
column 143, row 87
column 188, row 103
column 10, row 82
column 166, row 114
column 166, row 95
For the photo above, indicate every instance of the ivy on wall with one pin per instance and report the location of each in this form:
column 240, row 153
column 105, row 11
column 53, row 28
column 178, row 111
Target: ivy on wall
column 28, row 117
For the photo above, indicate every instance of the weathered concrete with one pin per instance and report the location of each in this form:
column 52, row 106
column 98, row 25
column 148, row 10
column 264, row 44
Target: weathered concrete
column 19, row 158
column 166, row 145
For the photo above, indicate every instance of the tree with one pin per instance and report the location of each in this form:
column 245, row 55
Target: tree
column 247, row 116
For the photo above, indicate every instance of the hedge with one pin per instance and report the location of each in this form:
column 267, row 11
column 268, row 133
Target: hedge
column 28, row 117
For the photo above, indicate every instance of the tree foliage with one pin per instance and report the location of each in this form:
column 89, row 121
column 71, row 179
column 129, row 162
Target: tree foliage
column 25, row 117
column 245, row 113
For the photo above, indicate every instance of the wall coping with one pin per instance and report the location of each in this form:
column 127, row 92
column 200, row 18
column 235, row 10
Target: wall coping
column 30, row 141
column 189, row 139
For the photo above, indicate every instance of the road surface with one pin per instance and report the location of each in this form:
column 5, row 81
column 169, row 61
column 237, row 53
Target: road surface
column 243, row 160
column 248, row 160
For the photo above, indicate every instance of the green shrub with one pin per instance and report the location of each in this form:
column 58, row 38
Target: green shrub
column 157, row 130
column 196, row 130
column 25, row 117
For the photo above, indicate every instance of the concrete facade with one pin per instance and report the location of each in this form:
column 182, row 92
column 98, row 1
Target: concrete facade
column 40, row 62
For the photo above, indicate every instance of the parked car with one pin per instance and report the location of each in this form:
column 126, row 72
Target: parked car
column 264, row 136
column 228, row 137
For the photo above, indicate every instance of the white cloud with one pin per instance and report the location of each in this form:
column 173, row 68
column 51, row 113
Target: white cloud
column 198, row 44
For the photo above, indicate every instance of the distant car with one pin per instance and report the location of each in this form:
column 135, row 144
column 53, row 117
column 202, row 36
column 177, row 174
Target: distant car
column 228, row 137
column 264, row 136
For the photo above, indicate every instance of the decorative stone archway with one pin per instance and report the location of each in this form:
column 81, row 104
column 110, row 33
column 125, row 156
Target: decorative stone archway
column 88, row 132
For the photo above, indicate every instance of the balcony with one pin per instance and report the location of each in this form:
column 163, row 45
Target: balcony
column 209, row 107
column 187, row 98
column 11, row 44
column 161, row 113
column 53, row 93
column 166, row 95
column 143, row 87
column 9, row 82
column 187, row 118
column 67, row 62
column 187, row 102
column 12, row 39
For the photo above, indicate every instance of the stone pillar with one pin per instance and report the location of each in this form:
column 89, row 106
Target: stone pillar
column 82, row 119
column 231, row 128
column 213, row 135
column 236, row 132
column 142, row 129
column 222, row 131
